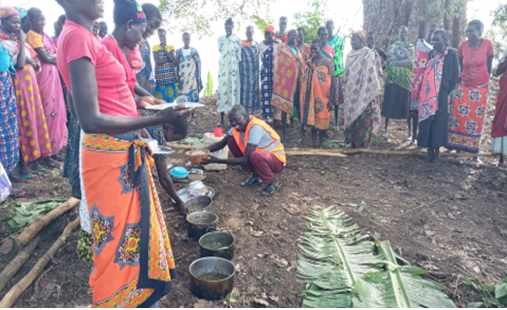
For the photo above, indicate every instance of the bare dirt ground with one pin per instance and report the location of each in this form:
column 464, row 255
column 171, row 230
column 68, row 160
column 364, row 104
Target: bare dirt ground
column 448, row 220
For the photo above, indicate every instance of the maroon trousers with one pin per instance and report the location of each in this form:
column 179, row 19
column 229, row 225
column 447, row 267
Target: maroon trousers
column 264, row 163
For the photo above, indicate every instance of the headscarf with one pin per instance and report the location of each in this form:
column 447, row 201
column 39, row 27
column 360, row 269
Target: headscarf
column 22, row 12
column 361, row 34
column 7, row 11
column 125, row 10
column 270, row 28
column 229, row 22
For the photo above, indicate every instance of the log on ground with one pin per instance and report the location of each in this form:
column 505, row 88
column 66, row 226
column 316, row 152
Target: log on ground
column 42, row 222
column 20, row 259
column 24, row 283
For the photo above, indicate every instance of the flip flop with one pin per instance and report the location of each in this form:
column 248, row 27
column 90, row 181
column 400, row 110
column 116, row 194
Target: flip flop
column 40, row 170
column 17, row 193
column 28, row 176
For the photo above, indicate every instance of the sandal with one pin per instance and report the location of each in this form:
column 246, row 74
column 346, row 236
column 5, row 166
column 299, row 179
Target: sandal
column 270, row 190
column 28, row 176
column 253, row 181
column 17, row 193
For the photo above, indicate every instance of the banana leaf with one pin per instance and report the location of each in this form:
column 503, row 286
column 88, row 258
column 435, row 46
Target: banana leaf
column 334, row 255
column 344, row 269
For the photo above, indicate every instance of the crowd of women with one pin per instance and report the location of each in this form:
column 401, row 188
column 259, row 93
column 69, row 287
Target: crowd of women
column 86, row 88
column 441, row 92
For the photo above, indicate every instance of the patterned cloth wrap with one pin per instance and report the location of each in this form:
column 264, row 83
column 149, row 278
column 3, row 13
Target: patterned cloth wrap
column 315, row 90
column 229, row 81
column 189, row 74
column 400, row 64
column 287, row 77
column 250, row 77
column 267, row 77
column 422, row 56
column 133, row 259
column 467, row 119
column 9, row 136
column 430, row 87
column 361, row 86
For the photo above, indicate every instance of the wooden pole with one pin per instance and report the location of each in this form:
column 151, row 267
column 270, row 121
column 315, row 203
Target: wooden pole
column 24, row 283
column 20, row 259
column 42, row 222
column 321, row 152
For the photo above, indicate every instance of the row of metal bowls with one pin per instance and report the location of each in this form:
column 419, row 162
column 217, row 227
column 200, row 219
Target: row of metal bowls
column 213, row 262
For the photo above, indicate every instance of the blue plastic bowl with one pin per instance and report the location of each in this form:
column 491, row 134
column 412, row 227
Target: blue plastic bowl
column 179, row 172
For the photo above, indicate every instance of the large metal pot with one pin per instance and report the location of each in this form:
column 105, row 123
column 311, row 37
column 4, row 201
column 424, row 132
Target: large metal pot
column 223, row 239
column 199, row 201
column 200, row 223
column 211, row 289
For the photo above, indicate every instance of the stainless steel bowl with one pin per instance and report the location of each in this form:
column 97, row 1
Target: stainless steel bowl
column 200, row 223
column 211, row 289
column 225, row 239
column 200, row 200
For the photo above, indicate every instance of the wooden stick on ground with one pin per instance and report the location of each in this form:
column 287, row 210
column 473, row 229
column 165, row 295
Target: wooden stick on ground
column 42, row 222
column 24, row 283
column 296, row 151
column 20, row 259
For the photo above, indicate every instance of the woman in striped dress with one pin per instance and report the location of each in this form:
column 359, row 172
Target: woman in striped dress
column 249, row 72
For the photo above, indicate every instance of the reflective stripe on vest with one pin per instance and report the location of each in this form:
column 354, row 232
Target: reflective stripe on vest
column 275, row 148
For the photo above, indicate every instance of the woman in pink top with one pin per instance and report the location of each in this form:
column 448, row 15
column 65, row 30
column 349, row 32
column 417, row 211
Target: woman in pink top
column 470, row 106
column 133, row 260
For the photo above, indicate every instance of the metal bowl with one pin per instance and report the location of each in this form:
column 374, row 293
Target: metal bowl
column 200, row 223
column 199, row 201
column 226, row 241
column 211, row 289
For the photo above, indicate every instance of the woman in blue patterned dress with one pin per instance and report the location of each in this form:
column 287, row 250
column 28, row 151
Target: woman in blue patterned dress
column 164, row 70
column 249, row 72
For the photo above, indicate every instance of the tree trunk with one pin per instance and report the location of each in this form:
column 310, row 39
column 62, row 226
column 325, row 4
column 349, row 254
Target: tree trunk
column 385, row 17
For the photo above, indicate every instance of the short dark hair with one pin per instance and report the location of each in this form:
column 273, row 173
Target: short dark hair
column 185, row 34
column 180, row 127
column 238, row 110
column 302, row 28
column 317, row 41
column 161, row 30
column 479, row 25
column 441, row 32
column 103, row 23
column 32, row 12
column 283, row 18
column 330, row 22
column 151, row 11
column 320, row 30
column 370, row 33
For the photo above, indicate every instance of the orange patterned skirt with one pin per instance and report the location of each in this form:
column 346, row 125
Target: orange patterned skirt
column 133, row 260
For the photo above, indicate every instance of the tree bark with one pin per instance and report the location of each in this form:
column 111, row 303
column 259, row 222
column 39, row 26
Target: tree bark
column 385, row 17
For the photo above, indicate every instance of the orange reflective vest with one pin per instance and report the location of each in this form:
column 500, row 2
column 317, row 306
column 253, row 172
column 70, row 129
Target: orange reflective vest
column 275, row 148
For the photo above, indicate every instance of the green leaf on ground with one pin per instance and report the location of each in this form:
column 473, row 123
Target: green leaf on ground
column 23, row 214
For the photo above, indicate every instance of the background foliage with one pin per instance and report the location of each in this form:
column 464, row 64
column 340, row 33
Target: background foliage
column 197, row 16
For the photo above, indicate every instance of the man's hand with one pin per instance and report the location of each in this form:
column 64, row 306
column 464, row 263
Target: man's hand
column 175, row 113
column 330, row 105
column 211, row 160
